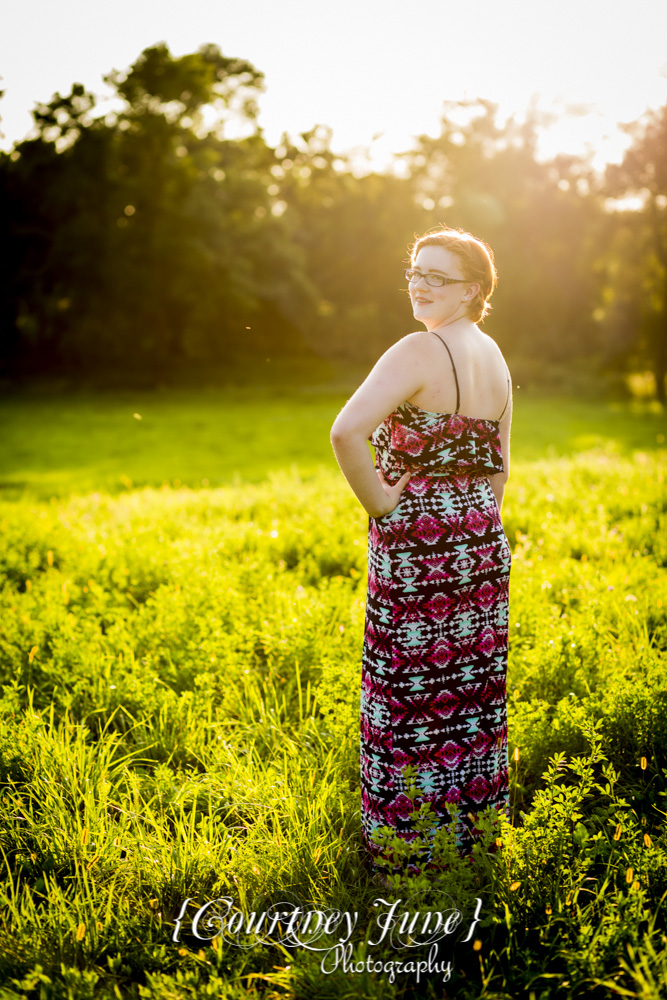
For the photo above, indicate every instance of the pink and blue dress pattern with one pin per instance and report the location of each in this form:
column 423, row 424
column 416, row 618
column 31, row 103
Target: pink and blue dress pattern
column 435, row 644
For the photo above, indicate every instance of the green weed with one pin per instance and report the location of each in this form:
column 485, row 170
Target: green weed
column 180, row 693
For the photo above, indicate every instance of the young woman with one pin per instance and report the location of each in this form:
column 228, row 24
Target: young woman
column 437, row 409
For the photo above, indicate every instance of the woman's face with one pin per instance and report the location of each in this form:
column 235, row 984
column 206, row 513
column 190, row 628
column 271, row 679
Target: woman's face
column 436, row 306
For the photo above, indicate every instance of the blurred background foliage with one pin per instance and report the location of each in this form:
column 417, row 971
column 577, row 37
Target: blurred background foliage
column 168, row 237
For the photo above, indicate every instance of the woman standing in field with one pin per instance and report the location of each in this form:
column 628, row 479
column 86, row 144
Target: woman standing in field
column 437, row 408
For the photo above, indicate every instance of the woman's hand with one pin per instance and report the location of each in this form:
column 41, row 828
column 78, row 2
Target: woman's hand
column 392, row 493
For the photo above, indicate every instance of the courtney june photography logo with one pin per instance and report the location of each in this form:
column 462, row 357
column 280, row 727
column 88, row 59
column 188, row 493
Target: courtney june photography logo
column 399, row 924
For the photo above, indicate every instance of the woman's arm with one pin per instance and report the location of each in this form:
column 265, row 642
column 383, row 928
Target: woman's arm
column 372, row 491
column 397, row 376
column 498, row 486
column 499, row 481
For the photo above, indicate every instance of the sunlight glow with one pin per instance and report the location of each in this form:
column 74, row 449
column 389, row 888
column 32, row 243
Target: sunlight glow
column 376, row 72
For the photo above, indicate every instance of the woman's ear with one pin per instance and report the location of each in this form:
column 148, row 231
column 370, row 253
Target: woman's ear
column 471, row 291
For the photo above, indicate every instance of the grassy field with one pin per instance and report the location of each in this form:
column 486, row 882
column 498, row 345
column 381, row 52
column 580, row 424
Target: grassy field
column 114, row 441
column 181, row 616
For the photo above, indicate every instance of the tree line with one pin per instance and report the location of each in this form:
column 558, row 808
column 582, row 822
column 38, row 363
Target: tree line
column 147, row 238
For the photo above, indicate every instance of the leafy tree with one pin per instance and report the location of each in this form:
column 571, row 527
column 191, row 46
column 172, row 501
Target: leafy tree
column 46, row 192
column 638, row 295
column 177, row 89
column 146, row 239
column 352, row 233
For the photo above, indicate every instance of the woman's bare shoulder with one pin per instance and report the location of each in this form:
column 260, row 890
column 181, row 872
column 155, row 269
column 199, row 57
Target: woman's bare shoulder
column 417, row 337
column 411, row 345
column 491, row 346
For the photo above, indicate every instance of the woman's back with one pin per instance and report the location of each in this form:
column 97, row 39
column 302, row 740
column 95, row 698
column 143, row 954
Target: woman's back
column 474, row 373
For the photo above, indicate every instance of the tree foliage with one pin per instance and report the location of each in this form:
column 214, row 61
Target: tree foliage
column 638, row 288
column 169, row 232
column 143, row 239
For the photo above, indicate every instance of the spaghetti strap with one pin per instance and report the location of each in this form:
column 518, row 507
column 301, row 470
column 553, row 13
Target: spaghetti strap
column 509, row 386
column 456, row 378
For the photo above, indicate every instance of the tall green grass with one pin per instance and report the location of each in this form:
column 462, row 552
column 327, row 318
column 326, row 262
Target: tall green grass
column 180, row 672
column 53, row 445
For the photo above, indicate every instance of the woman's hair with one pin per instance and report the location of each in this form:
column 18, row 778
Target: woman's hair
column 476, row 259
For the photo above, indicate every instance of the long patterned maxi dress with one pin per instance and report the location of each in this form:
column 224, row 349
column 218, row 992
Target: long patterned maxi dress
column 435, row 645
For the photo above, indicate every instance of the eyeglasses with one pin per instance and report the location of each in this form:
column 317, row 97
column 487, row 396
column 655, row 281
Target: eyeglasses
column 432, row 278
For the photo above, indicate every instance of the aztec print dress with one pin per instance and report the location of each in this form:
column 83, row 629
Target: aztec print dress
column 435, row 644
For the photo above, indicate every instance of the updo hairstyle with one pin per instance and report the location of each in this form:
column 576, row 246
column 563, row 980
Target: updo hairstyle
column 476, row 259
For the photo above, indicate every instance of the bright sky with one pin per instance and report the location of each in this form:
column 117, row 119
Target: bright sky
column 365, row 67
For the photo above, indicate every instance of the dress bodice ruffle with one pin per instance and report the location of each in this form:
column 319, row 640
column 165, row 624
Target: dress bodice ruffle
column 438, row 443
